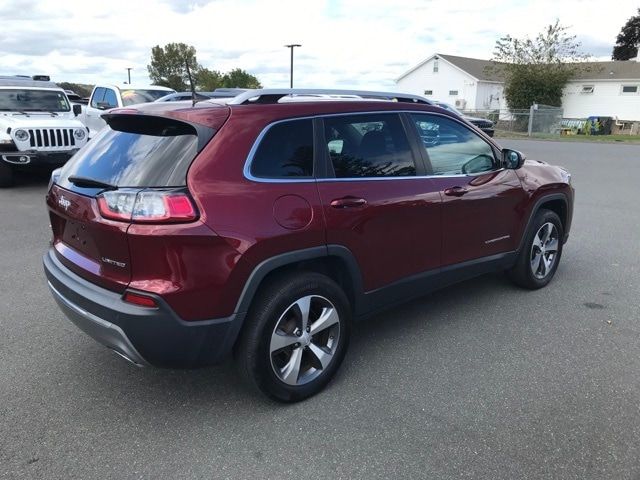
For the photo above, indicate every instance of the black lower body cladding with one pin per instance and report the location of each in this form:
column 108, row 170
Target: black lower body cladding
column 145, row 336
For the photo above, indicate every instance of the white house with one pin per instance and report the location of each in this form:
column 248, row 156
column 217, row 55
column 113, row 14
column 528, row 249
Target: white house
column 465, row 82
column 604, row 89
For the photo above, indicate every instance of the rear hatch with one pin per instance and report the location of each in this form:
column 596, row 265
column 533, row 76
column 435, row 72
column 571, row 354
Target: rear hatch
column 137, row 162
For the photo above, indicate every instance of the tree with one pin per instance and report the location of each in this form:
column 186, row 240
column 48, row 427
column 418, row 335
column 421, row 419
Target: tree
column 238, row 78
column 167, row 67
column 81, row 89
column 628, row 40
column 208, row 80
column 537, row 70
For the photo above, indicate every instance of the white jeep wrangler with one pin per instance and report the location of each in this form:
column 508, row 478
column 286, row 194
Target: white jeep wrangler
column 38, row 126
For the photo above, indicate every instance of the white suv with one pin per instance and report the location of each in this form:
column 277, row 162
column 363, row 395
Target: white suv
column 105, row 97
column 38, row 126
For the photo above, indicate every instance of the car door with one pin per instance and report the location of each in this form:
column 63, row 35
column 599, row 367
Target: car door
column 481, row 200
column 376, row 200
column 102, row 99
column 93, row 111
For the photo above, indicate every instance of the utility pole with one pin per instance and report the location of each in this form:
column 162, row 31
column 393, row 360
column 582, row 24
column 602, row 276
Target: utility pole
column 291, row 47
column 129, row 74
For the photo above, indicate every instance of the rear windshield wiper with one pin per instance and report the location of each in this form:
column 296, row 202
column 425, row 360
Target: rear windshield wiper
column 86, row 182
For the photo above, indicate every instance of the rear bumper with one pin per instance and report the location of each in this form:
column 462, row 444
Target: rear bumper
column 35, row 158
column 145, row 336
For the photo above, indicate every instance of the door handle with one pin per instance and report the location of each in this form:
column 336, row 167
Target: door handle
column 348, row 202
column 455, row 191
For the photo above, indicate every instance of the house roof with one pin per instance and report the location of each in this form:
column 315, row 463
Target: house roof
column 475, row 67
column 478, row 68
column 614, row 70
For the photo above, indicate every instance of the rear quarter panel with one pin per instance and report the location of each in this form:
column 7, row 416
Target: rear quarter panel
column 243, row 212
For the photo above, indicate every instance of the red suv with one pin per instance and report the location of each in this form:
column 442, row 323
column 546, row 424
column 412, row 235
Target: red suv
column 264, row 225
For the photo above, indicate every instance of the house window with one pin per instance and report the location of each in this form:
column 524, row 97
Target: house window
column 428, row 92
column 435, row 65
column 587, row 89
column 629, row 89
column 453, row 93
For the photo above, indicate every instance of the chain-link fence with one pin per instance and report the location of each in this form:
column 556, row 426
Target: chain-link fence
column 539, row 119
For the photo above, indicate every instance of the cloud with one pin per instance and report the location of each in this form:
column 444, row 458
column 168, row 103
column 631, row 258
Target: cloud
column 185, row 6
column 355, row 43
column 595, row 47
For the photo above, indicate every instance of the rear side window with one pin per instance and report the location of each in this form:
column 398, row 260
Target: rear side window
column 372, row 145
column 136, row 152
column 285, row 151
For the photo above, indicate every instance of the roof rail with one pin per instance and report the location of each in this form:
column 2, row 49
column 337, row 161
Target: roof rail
column 268, row 95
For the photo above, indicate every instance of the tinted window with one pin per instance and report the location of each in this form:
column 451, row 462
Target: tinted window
column 131, row 97
column 110, row 98
column 453, row 149
column 372, row 145
column 26, row 100
column 146, row 154
column 285, row 151
column 98, row 95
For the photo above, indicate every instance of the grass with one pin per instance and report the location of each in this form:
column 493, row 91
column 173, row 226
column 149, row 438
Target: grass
column 571, row 138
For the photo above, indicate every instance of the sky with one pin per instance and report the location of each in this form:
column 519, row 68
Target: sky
column 345, row 43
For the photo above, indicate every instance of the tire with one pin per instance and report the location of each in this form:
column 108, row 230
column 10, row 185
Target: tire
column 541, row 252
column 273, row 341
column 6, row 175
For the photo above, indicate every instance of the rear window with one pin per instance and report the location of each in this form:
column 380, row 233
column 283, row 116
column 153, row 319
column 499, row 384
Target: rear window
column 136, row 152
column 286, row 151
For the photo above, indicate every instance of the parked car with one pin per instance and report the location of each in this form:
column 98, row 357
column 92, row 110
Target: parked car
column 482, row 123
column 183, row 234
column 38, row 126
column 218, row 93
column 106, row 97
column 75, row 98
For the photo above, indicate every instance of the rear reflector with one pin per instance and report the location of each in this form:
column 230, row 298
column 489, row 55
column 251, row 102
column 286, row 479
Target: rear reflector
column 147, row 206
column 140, row 300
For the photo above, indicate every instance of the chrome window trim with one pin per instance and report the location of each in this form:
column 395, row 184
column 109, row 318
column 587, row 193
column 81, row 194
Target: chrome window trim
column 247, row 164
column 254, row 148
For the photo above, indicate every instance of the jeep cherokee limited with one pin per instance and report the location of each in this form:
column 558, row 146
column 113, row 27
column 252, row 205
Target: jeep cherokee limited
column 262, row 225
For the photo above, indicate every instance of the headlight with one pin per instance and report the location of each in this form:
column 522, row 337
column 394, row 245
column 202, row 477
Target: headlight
column 566, row 176
column 54, row 177
column 79, row 133
column 21, row 135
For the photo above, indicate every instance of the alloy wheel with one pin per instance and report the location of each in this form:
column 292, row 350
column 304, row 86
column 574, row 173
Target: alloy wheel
column 304, row 340
column 544, row 250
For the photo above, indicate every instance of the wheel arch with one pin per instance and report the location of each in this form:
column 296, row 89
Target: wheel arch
column 335, row 261
column 557, row 203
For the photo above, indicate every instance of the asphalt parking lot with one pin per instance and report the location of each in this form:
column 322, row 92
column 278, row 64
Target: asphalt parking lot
column 482, row 380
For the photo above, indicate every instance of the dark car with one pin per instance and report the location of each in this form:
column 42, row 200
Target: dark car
column 183, row 234
column 75, row 98
column 482, row 123
column 218, row 93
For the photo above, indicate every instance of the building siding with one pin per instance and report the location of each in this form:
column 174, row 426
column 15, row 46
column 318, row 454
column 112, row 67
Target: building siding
column 606, row 100
column 441, row 83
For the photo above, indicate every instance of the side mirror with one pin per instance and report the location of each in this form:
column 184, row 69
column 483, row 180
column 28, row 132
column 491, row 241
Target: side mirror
column 77, row 109
column 512, row 159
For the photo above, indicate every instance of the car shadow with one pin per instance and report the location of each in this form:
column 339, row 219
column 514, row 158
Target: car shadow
column 373, row 338
column 31, row 179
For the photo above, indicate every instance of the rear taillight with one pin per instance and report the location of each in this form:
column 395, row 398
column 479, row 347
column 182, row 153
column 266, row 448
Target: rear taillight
column 147, row 206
